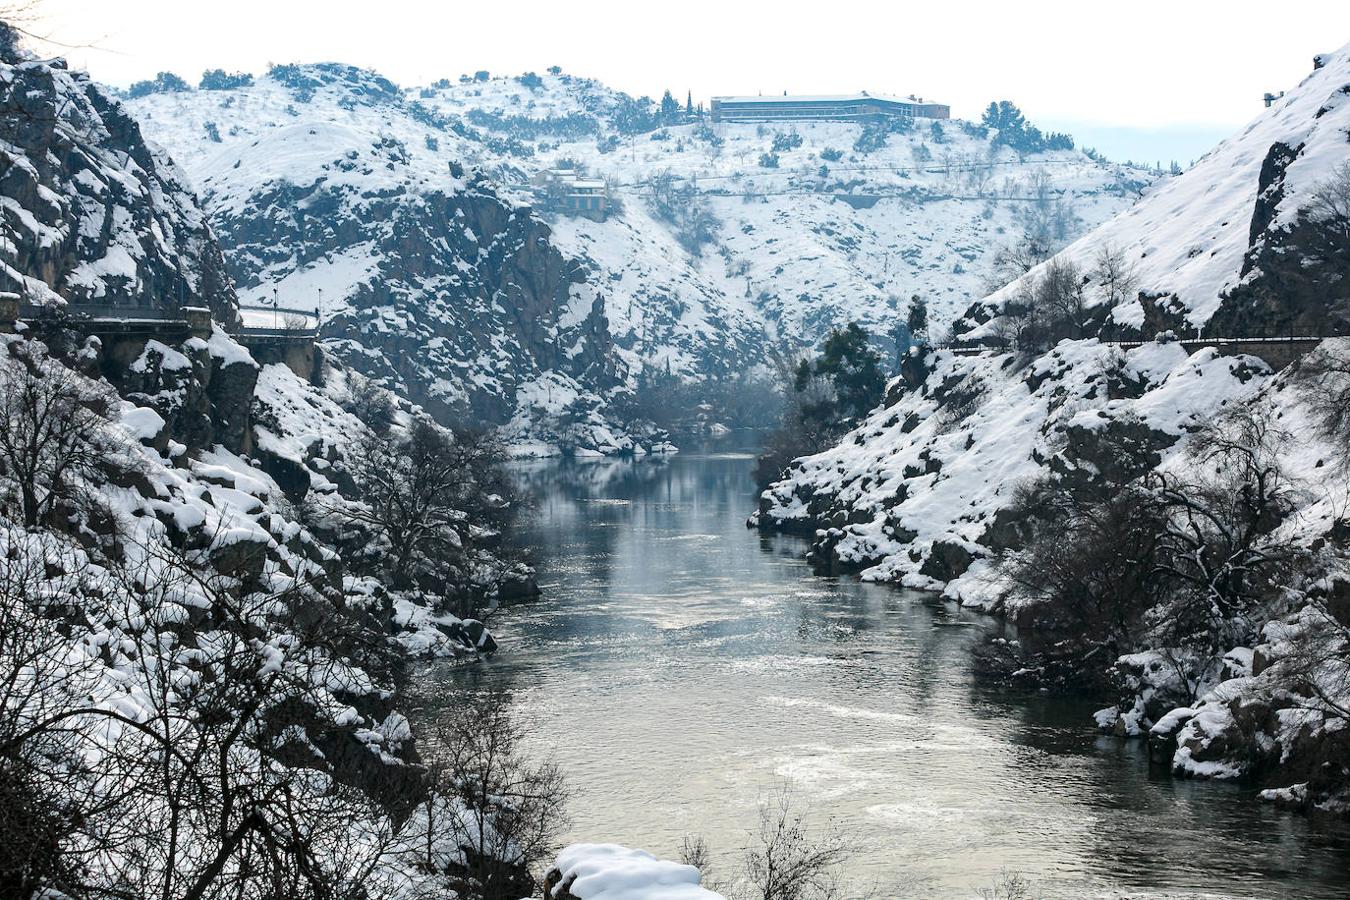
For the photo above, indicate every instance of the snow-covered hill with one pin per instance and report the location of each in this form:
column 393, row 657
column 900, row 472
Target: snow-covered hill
column 1225, row 246
column 818, row 239
column 401, row 214
column 923, row 491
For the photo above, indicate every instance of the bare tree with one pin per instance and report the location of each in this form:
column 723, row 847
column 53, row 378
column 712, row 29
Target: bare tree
column 428, row 505
column 500, row 812
column 1047, row 306
column 788, row 860
column 1219, row 553
column 1014, row 261
column 1009, row 886
column 19, row 19
column 1115, row 272
column 45, row 791
column 234, row 799
column 211, row 786
column 370, row 403
column 52, row 431
column 694, row 852
column 1330, row 203
column 1326, row 243
column 1048, row 217
column 1324, row 376
column 1085, row 561
column 1060, row 304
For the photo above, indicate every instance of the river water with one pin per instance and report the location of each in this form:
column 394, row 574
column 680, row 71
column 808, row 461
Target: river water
column 681, row 667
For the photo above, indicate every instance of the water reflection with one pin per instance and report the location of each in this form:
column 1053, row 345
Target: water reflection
column 680, row 665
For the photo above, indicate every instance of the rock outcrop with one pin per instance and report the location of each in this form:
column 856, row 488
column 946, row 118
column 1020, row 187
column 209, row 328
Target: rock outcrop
column 94, row 215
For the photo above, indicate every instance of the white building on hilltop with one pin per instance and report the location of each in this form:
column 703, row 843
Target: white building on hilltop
column 841, row 107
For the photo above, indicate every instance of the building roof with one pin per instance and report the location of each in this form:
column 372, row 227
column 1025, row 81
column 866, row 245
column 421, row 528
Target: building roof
column 819, row 98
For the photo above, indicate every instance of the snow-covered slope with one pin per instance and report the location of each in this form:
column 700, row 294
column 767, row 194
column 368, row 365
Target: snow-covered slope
column 331, row 192
column 816, row 240
column 940, row 460
column 1205, row 247
column 163, row 603
column 332, row 189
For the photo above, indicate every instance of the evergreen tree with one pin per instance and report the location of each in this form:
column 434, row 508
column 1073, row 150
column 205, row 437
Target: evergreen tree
column 1016, row 132
column 689, row 105
column 902, row 337
column 852, row 369
column 917, row 320
column 670, row 109
column 220, row 80
column 163, row 83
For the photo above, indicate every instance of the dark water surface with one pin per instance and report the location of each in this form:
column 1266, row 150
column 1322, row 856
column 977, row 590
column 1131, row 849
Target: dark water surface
column 680, row 666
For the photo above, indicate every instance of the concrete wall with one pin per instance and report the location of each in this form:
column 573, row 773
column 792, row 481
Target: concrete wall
column 300, row 358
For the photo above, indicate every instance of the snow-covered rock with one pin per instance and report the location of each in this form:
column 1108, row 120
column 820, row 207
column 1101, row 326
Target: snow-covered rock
column 612, row 872
column 92, row 213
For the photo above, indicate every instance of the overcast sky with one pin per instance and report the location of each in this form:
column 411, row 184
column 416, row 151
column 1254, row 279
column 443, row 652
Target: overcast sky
column 1165, row 79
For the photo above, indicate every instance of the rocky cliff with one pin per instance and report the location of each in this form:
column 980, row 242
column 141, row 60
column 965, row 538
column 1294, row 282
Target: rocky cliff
column 92, row 214
column 166, row 592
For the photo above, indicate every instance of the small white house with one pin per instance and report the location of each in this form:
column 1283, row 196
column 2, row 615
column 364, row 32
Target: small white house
column 571, row 193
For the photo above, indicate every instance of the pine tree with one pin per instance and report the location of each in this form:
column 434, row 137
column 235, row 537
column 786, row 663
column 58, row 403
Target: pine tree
column 689, row 105
column 670, row 109
column 852, row 369
column 902, row 337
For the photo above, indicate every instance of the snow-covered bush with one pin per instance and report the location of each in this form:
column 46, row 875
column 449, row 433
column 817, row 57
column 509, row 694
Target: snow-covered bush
column 220, row 80
column 163, row 83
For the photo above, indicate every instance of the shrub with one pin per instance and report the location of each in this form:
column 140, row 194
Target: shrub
column 871, row 139
column 163, row 83
column 705, row 133
column 220, row 80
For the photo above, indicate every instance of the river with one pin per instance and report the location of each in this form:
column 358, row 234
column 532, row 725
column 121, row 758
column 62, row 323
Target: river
column 680, row 667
